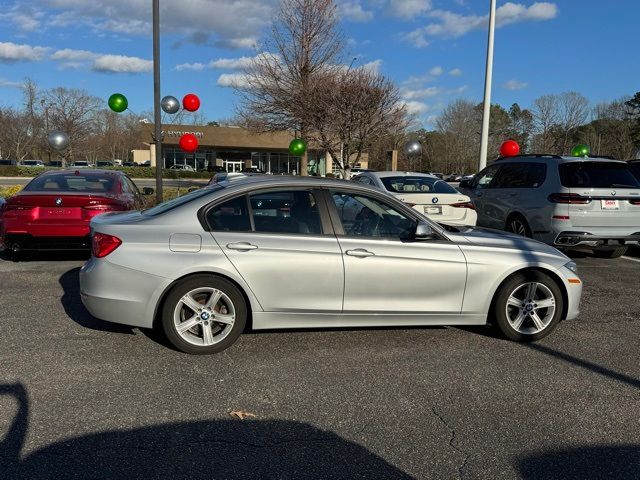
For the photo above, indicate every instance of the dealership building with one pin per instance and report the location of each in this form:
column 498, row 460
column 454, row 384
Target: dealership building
column 234, row 148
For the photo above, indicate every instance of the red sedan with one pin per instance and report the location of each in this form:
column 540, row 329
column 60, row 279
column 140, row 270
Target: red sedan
column 54, row 209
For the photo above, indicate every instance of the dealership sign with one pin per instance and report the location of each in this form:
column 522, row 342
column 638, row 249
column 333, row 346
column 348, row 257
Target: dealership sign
column 176, row 133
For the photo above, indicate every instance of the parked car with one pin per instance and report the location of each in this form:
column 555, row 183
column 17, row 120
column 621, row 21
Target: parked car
column 7, row 162
column 185, row 167
column 634, row 165
column 32, row 163
column 52, row 212
column 276, row 251
column 81, row 164
column 436, row 174
column 225, row 176
column 129, row 164
column 55, row 163
column 563, row 201
column 104, row 163
column 429, row 195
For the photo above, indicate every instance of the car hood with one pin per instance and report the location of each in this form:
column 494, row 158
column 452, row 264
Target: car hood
column 500, row 239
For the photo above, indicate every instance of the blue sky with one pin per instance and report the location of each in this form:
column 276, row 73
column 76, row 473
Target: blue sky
column 433, row 49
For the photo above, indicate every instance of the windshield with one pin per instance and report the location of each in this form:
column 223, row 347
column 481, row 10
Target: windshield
column 178, row 201
column 407, row 184
column 73, row 182
column 597, row 175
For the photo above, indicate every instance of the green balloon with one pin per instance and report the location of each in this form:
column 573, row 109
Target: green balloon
column 580, row 150
column 297, row 147
column 118, row 102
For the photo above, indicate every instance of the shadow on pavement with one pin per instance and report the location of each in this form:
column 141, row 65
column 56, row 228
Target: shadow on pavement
column 218, row 449
column 618, row 462
column 70, row 283
column 46, row 256
column 594, row 367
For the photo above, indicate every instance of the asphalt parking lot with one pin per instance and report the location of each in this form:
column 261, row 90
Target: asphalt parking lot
column 80, row 398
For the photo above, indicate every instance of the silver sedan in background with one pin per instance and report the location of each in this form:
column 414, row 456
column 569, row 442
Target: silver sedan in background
column 283, row 252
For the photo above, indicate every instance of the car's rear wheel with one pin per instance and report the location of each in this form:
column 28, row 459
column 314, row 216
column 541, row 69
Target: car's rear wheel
column 610, row 253
column 518, row 224
column 204, row 315
column 528, row 306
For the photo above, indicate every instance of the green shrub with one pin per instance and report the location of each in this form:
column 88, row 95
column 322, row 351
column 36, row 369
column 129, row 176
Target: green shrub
column 133, row 172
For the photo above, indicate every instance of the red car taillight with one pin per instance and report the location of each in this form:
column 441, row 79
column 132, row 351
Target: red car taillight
column 103, row 244
column 634, row 202
column 569, row 198
column 104, row 208
column 464, row 205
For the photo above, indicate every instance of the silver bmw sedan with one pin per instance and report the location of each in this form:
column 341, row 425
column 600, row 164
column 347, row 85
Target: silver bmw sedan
column 296, row 252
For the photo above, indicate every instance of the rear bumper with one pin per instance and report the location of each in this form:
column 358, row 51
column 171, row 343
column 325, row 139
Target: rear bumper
column 578, row 239
column 120, row 295
column 25, row 241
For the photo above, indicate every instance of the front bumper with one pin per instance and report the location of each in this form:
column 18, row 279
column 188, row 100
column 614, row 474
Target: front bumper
column 573, row 290
column 577, row 239
column 120, row 295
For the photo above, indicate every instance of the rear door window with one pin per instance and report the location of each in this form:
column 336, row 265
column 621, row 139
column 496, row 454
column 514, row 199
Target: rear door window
column 597, row 175
column 230, row 216
column 293, row 211
column 520, row 175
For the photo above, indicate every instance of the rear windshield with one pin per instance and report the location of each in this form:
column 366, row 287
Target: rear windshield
column 71, row 182
column 597, row 175
column 417, row 185
column 178, row 201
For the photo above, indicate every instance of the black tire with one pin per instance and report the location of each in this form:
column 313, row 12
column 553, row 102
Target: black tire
column 499, row 307
column 610, row 253
column 172, row 302
column 517, row 224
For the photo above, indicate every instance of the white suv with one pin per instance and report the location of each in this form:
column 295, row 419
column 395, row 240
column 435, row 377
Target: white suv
column 563, row 201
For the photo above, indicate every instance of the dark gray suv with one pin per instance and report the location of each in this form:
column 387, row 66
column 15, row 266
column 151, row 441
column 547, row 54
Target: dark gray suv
column 567, row 202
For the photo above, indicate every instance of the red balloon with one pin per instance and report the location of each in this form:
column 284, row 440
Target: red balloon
column 189, row 142
column 191, row 102
column 510, row 148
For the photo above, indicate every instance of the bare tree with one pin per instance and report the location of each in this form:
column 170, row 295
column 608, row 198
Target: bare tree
column 574, row 109
column 72, row 111
column 351, row 109
column 546, row 115
column 276, row 91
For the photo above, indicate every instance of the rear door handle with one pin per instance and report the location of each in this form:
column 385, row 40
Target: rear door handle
column 360, row 252
column 242, row 246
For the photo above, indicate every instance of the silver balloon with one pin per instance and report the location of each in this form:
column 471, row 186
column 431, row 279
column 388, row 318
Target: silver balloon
column 170, row 104
column 413, row 147
column 58, row 140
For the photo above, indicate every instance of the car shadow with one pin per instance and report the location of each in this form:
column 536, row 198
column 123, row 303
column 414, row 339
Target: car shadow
column 620, row 462
column 76, row 311
column 221, row 449
column 45, row 256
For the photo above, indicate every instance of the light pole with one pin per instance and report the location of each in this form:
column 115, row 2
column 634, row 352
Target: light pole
column 45, row 107
column 484, row 140
column 156, row 98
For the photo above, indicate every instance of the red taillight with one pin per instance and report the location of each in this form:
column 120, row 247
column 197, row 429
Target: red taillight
column 15, row 208
column 464, row 205
column 569, row 198
column 634, row 202
column 103, row 244
column 104, row 208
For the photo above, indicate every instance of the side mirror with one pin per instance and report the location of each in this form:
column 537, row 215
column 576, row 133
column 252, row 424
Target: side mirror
column 148, row 191
column 423, row 231
column 464, row 183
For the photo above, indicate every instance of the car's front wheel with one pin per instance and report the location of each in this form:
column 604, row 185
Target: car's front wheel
column 528, row 306
column 203, row 315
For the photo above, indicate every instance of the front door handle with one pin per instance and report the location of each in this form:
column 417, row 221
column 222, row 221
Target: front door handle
column 360, row 252
column 242, row 246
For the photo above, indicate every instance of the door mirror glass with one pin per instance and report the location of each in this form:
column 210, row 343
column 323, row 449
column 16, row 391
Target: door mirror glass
column 465, row 183
column 423, row 231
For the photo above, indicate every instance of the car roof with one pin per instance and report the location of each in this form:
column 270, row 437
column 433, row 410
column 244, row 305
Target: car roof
column 556, row 158
column 83, row 171
column 394, row 173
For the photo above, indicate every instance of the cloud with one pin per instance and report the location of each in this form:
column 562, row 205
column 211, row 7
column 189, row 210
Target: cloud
column 233, row 80
column 514, row 85
column 416, row 108
column 13, row 52
column 352, row 10
column 408, row 9
column 10, row 83
column 373, row 66
column 196, row 67
column 23, row 16
column 121, row 64
column 236, row 24
column 453, row 25
column 456, row 72
column 68, row 54
column 436, row 71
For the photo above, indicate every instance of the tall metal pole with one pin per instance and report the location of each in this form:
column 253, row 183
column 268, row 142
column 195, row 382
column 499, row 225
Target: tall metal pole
column 157, row 119
column 484, row 141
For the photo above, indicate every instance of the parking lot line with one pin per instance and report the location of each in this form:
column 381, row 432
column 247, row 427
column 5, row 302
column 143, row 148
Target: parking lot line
column 632, row 259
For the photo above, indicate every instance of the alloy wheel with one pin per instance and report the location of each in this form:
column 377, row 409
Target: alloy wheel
column 530, row 308
column 204, row 316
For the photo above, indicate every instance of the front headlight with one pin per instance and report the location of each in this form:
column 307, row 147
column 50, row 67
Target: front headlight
column 572, row 266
